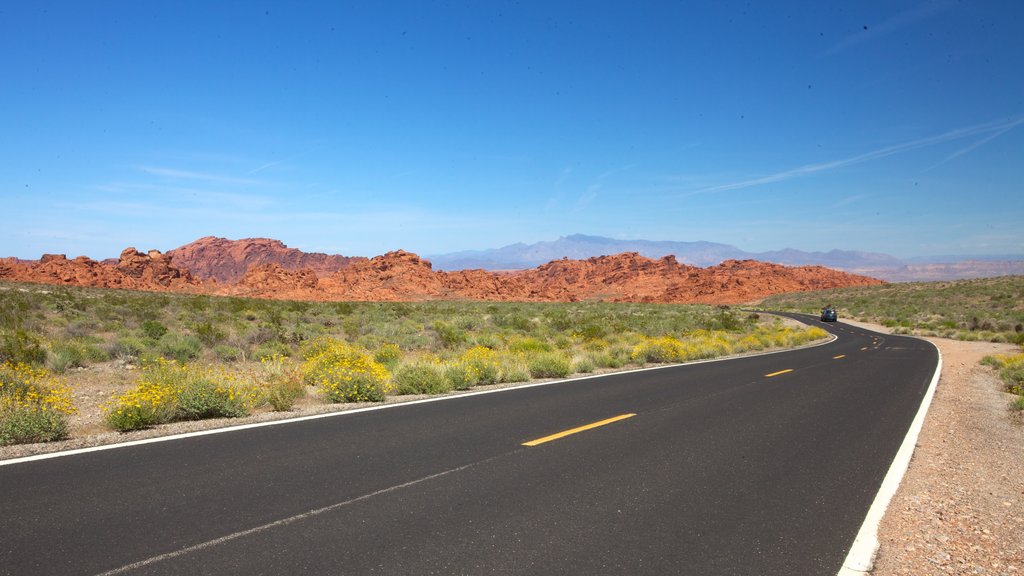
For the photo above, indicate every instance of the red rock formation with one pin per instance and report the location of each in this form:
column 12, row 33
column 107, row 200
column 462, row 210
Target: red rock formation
column 228, row 260
column 134, row 271
column 153, row 268
column 270, row 280
column 402, row 275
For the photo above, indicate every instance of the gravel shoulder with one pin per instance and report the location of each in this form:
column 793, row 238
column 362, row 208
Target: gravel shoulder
column 960, row 507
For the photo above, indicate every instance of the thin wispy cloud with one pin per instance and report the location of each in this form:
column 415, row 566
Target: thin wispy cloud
column 263, row 167
column 203, row 176
column 991, row 129
column 976, row 145
column 872, row 31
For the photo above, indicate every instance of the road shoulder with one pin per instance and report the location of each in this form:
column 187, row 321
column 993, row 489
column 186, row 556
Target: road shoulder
column 960, row 507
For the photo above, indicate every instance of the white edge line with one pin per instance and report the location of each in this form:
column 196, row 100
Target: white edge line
column 861, row 558
column 169, row 438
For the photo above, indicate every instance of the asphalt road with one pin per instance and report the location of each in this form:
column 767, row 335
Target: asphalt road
column 761, row 465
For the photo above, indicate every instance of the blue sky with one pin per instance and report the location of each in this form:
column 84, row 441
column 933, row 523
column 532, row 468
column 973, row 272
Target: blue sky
column 358, row 128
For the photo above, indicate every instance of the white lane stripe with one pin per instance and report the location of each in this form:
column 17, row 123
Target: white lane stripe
column 288, row 520
column 380, row 407
column 861, row 557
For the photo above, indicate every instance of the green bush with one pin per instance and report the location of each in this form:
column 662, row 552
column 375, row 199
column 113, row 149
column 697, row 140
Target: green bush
column 179, row 347
column 127, row 347
column 34, row 405
column 460, row 375
column 528, row 345
column 449, row 335
column 484, row 364
column 271, row 349
column 153, row 329
column 227, row 353
column 201, row 397
column 513, row 369
column 421, row 377
column 549, row 365
column 64, row 355
column 583, row 364
column 388, row 354
column 25, row 426
column 19, row 346
column 281, row 383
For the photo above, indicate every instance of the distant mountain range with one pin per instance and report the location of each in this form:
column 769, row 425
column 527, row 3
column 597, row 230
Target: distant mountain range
column 579, row 246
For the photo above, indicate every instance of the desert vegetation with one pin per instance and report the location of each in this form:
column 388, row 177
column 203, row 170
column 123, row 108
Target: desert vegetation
column 198, row 356
column 989, row 309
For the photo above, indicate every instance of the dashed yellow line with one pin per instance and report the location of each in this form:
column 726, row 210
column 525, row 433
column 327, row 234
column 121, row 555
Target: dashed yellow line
column 575, row 430
column 838, row 357
column 779, row 372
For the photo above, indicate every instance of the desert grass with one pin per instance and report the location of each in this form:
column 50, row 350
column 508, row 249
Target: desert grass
column 989, row 309
column 204, row 356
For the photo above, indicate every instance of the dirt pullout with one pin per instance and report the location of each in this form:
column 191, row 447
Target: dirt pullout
column 960, row 507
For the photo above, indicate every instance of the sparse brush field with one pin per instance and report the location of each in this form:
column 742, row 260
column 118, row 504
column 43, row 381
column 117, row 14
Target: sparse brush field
column 147, row 358
column 989, row 309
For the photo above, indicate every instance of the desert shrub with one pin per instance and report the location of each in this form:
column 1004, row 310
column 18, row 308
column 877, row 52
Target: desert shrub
column 460, row 375
column 271, row 349
column 208, row 333
column 153, row 329
column 280, row 383
column 583, row 364
column 19, row 346
column 1010, row 368
column 169, row 391
column 549, row 365
column 34, row 405
column 659, row 350
column 127, row 347
column 227, row 353
column 421, row 376
column 528, row 345
column 488, row 340
column 484, row 364
column 65, row 354
column 388, row 354
column 450, row 336
column 345, row 373
column 513, row 369
column 203, row 396
column 147, row 405
column 179, row 347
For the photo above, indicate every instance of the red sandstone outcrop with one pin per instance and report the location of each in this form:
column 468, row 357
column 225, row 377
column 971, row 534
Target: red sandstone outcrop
column 404, row 276
column 134, row 270
column 270, row 280
column 227, row 261
column 153, row 268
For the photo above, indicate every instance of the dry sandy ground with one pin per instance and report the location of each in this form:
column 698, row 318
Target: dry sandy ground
column 959, row 509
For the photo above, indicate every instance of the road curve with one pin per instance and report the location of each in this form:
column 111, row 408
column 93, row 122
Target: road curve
column 758, row 465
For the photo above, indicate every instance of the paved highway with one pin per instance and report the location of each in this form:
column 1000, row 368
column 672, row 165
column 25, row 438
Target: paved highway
column 760, row 465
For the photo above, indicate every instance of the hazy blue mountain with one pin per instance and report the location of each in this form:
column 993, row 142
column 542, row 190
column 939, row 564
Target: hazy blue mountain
column 703, row 254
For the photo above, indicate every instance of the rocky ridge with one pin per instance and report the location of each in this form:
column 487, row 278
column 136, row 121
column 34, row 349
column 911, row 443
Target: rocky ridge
column 404, row 276
column 228, row 261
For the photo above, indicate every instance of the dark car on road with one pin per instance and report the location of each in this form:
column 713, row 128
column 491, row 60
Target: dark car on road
column 828, row 314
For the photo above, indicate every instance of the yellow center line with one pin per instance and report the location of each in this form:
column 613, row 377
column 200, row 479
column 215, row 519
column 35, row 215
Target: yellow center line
column 779, row 372
column 575, row 430
column 838, row 357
